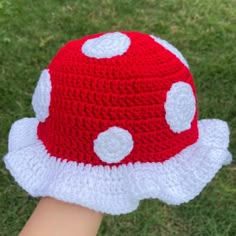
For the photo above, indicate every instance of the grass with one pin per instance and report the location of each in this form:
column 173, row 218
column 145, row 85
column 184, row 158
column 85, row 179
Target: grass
column 204, row 31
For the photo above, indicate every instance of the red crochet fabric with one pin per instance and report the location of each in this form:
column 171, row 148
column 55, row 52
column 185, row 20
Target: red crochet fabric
column 90, row 95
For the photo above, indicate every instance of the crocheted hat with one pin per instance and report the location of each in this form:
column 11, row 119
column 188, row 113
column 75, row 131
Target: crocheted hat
column 116, row 122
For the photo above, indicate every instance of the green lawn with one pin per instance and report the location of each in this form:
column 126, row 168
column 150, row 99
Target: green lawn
column 205, row 31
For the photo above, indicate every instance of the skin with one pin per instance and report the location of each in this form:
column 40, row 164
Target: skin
column 53, row 217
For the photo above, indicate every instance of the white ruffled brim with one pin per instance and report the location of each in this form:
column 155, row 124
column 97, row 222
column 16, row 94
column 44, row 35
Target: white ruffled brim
column 116, row 190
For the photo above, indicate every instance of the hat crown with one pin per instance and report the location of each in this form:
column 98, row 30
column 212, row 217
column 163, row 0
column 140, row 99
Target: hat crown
column 128, row 80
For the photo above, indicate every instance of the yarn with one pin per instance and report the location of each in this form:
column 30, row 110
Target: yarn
column 116, row 122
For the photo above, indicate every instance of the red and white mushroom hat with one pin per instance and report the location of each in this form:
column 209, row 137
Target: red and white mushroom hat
column 116, row 122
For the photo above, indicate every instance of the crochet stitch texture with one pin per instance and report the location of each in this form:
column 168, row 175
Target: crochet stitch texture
column 116, row 122
column 90, row 95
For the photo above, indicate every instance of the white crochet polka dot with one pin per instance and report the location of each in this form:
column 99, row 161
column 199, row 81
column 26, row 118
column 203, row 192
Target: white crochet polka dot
column 113, row 145
column 171, row 48
column 180, row 107
column 106, row 46
column 41, row 96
